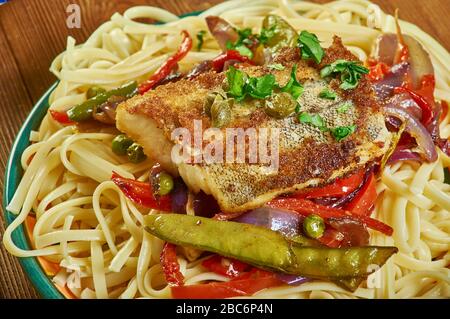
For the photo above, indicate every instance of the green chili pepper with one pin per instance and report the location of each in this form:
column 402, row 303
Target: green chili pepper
column 267, row 249
column 83, row 111
column 120, row 144
column 94, row 91
column 277, row 33
column 136, row 153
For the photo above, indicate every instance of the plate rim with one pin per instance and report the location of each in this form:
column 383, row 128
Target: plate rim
column 41, row 282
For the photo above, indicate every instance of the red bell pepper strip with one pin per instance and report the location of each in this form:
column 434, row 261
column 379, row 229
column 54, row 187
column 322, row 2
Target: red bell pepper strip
column 219, row 61
column 364, row 201
column 444, row 105
column 377, row 70
column 340, row 187
column 141, row 193
column 427, row 110
column 306, row 207
column 61, row 117
column 225, row 266
column 170, row 265
column 167, row 67
column 246, row 286
column 331, row 238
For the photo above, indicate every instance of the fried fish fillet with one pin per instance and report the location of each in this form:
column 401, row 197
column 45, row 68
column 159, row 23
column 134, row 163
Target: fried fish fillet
column 307, row 156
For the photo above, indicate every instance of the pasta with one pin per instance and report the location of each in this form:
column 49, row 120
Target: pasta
column 86, row 225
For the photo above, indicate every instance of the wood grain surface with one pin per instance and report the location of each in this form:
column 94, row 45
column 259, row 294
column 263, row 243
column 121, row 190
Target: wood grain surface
column 33, row 32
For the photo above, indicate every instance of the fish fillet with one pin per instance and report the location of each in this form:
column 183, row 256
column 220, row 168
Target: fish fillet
column 307, row 156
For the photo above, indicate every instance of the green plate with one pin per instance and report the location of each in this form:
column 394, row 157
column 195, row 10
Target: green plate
column 13, row 175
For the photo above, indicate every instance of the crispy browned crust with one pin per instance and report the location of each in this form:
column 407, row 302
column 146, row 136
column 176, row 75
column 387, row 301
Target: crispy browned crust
column 319, row 160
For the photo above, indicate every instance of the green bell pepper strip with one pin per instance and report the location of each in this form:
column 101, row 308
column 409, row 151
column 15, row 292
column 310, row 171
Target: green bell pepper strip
column 265, row 248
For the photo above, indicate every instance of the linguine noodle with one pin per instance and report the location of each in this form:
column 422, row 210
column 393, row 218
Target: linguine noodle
column 85, row 225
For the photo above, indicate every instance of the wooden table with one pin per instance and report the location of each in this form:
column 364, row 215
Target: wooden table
column 33, row 32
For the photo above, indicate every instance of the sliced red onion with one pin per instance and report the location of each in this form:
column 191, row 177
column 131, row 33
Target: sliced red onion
column 222, row 31
column 404, row 101
column 292, row 280
column 385, row 87
column 355, row 233
column 401, row 154
column 286, row 222
column 416, row 130
column 179, row 197
column 205, row 205
column 200, row 68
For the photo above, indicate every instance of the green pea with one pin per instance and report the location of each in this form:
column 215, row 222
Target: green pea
column 135, row 153
column 165, row 182
column 94, row 91
column 120, row 144
column 314, row 226
column 280, row 105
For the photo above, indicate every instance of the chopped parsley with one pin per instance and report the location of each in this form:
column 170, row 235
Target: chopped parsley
column 242, row 43
column 351, row 72
column 341, row 132
column 276, row 66
column 200, row 35
column 315, row 120
column 293, row 86
column 310, row 47
column 240, row 85
column 327, row 94
column 344, row 107
column 266, row 34
column 261, row 87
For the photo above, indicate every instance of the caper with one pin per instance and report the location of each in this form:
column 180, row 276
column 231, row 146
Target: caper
column 165, row 183
column 210, row 98
column 120, row 144
column 280, row 105
column 135, row 153
column 314, row 226
column 94, row 91
column 220, row 112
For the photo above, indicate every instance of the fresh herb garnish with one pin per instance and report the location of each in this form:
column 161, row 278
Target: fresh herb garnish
column 344, row 107
column 342, row 132
column 339, row 133
column 276, row 66
column 242, row 43
column 266, row 34
column 315, row 120
column 327, row 94
column 239, row 85
column 310, row 47
column 200, row 35
column 293, row 86
column 351, row 72
column 261, row 87
column 236, row 82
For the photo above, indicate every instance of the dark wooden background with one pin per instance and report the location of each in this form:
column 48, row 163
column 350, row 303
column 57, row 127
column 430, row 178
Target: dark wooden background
column 33, row 32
